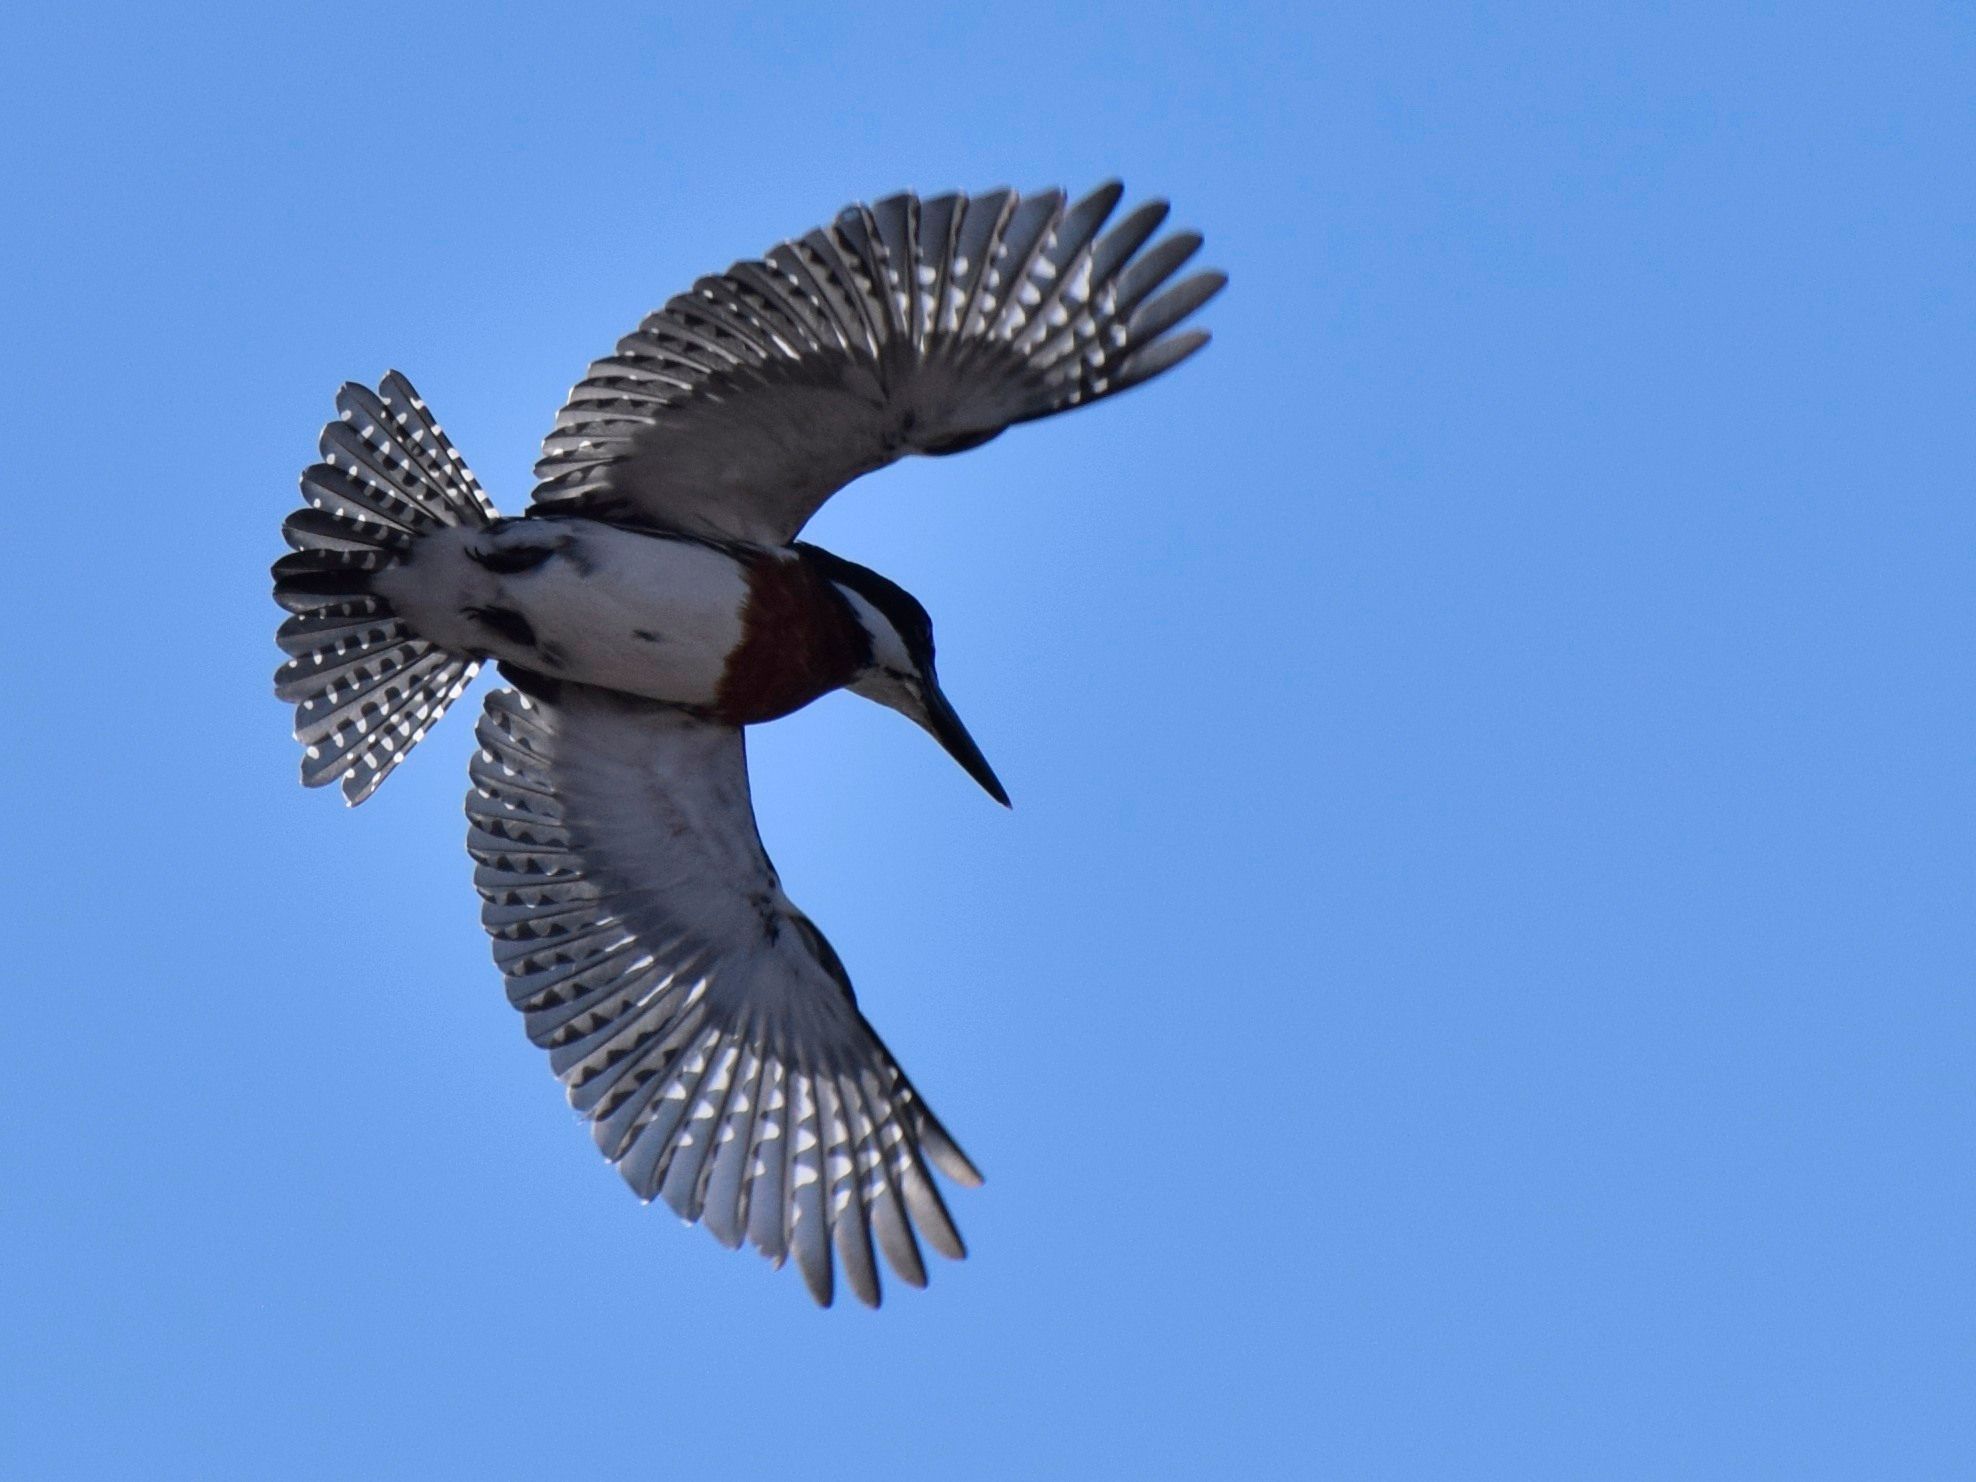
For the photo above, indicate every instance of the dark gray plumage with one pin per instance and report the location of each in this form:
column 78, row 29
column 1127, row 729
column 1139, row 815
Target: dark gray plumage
column 906, row 327
column 365, row 689
column 699, row 1020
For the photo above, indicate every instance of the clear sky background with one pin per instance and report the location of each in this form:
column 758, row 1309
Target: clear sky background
column 1477, row 981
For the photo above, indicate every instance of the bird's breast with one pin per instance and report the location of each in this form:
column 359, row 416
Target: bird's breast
column 799, row 640
column 743, row 633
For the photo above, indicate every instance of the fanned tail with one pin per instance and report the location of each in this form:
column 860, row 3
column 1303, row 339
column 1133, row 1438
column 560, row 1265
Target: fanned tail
column 365, row 690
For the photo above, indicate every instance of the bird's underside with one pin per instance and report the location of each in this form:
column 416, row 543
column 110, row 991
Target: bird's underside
column 651, row 605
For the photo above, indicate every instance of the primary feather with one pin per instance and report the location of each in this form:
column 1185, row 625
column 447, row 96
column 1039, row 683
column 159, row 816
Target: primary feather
column 905, row 327
column 699, row 1020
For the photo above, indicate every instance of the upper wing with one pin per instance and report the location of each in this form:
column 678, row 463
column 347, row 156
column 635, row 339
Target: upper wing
column 907, row 327
column 699, row 1020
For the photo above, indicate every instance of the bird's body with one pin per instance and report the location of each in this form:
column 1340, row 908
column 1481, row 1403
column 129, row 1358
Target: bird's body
column 736, row 632
column 655, row 601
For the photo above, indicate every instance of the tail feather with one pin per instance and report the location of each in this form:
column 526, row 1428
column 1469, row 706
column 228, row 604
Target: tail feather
column 424, row 446
column 351, row 693
column 366, row 617
column 309, row 579
column 333, row 663
column 369, row 739
column 365, row 689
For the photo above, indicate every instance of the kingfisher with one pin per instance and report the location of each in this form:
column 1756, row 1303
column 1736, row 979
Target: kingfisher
column 651, row 604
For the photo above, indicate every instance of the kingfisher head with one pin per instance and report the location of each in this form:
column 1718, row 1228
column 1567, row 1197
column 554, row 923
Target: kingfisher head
column 899, row 672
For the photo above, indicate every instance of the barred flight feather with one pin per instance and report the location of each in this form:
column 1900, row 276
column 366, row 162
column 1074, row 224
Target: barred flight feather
column 907, row 326
column 696, row 1018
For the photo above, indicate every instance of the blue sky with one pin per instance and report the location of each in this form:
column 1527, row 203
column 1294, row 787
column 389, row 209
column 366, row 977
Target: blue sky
column 1477, row 979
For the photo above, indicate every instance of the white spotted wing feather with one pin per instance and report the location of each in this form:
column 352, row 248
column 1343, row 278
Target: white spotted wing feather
column 700, row 1022
column 907, row 326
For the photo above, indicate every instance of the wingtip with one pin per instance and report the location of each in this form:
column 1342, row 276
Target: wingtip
column 1148, row 215
column 822, row 1289
column 1103, row 198
column 1183, row 244
column 948, row 1157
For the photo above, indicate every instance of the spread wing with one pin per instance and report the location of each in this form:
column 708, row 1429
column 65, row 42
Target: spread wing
column 908, row 326
column 698, row 1019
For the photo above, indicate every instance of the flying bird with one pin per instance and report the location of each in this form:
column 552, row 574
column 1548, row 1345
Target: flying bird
column 652, row 603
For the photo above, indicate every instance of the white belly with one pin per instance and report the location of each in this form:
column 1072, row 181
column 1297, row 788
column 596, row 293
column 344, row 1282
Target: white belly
column 643, row 614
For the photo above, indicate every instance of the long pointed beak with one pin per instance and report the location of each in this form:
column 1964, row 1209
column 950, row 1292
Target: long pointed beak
column 945, row 727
